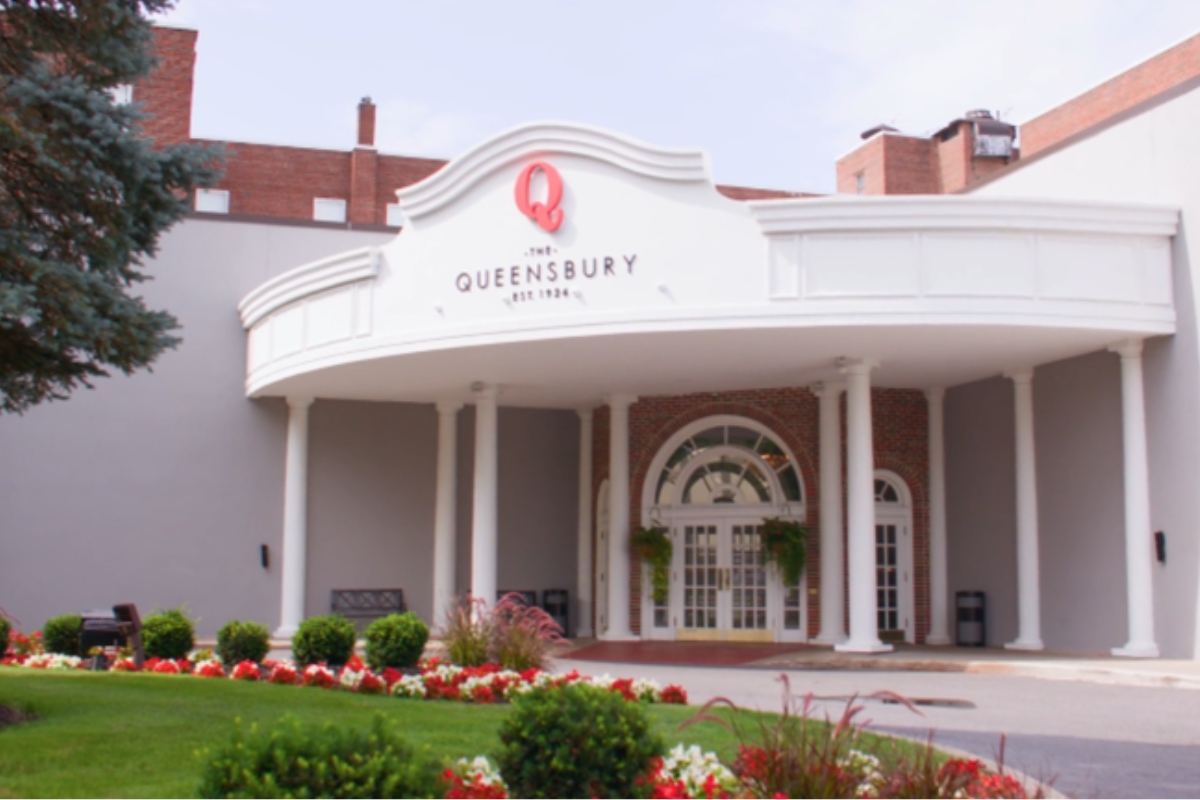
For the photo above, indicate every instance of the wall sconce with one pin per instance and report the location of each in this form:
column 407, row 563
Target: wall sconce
column 264, row 555
column 1160, row 546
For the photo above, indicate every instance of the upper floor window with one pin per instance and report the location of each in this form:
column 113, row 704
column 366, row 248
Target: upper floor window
column 122, row 95
column 860, row 183
column 212, row 201
column 329, row 209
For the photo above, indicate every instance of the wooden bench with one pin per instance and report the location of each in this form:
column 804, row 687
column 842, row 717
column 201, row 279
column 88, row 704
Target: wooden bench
column 367, row 604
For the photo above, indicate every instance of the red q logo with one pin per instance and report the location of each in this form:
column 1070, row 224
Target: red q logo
column 547, row 215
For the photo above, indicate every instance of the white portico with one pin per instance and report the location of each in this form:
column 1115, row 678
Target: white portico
column 558, row 266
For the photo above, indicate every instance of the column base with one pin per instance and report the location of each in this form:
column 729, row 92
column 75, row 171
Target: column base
column 1025, row 644
column 863, row 647
column 938, row 641
column 285, row 632
column 583, row 633
column 618, row 636
column 1137, row 650
column 829, row 640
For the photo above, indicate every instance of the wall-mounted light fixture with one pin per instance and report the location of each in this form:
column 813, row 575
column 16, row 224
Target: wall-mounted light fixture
column 264, row 555
column 1160, row 546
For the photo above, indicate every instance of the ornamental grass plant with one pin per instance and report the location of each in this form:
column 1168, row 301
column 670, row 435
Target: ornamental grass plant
column 467, row 633
column 521, row 634
column 513, row 634
column 795, row 754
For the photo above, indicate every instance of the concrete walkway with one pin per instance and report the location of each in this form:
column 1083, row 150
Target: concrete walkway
column 905, row 658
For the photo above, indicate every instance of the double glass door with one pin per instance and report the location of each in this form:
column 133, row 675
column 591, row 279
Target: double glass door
column 724, row 582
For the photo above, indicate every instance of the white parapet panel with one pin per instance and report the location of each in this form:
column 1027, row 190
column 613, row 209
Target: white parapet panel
column 1037, row 262
column 310, row 307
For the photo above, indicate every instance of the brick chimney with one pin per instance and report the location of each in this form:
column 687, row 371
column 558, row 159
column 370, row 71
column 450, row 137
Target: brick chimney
column 366, row 123
column 166, row 93
column 363, row 164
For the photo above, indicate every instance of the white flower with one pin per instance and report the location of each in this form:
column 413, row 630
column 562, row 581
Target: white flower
column 694, row 766
column 480, row 769
column 409, row 686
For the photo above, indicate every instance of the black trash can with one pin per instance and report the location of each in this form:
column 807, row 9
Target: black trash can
column 969, row 610
column 556, row 603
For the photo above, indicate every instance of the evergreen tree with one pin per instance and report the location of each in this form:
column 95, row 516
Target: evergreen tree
column 84, row 196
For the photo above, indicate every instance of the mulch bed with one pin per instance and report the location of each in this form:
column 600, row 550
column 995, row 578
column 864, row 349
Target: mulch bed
column 13, row 716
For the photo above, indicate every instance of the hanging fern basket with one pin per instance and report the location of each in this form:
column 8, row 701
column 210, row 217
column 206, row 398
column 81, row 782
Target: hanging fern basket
column 785, row 543
column 653, row 545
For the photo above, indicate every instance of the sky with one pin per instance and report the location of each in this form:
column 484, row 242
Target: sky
column 773, row 90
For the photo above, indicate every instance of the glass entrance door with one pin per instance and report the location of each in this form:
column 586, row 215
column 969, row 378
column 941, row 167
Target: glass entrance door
column 724, row 582
column 892, row 582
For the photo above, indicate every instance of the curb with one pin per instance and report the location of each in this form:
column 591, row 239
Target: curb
column 1090, row 674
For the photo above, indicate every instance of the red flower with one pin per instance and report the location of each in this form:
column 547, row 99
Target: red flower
column 675, row 695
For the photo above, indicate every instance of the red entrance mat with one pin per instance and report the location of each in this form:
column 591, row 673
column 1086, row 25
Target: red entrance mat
column 713, row 654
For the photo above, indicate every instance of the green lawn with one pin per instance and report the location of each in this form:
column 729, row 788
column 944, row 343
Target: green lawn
column 122, row 735
column 103, row 735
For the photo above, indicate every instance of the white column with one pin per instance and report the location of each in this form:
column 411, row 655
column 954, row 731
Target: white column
column 295, row 519
column 583, row 583
column 939, row 590
column 618, row 516
column 860, row 507
column 1139, row 584
column 1029, row 604
column 833, row 553
column 445, row 523
column 483, row 519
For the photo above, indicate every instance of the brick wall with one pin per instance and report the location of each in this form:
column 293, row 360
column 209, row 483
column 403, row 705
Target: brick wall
column 901, row 445
column 910, row 165
column 1145, row 81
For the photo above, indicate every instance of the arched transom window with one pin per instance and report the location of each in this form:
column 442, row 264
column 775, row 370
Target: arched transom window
column 885, row 492
column 728, row 464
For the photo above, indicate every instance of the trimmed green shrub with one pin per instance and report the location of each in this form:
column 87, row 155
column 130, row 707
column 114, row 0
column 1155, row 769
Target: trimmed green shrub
column 576, row 741
column 396, row 640
column 239, row 641
column 61, row 634
column 168, row 634
column 291, row 759
column 5, row 630
column 329, row 638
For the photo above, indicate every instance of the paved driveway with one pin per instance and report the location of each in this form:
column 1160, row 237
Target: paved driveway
column 1092, row 740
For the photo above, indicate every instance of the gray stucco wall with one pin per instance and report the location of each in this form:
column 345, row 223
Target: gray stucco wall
column 981, row 500
column 1077, row 423
column 372, row 489
column 538, row 498
column 158, row 488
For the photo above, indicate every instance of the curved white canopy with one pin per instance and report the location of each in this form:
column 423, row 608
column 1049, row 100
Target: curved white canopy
column 654, row 283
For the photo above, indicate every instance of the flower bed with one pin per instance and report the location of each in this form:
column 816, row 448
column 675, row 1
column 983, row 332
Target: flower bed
column 436, row 680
